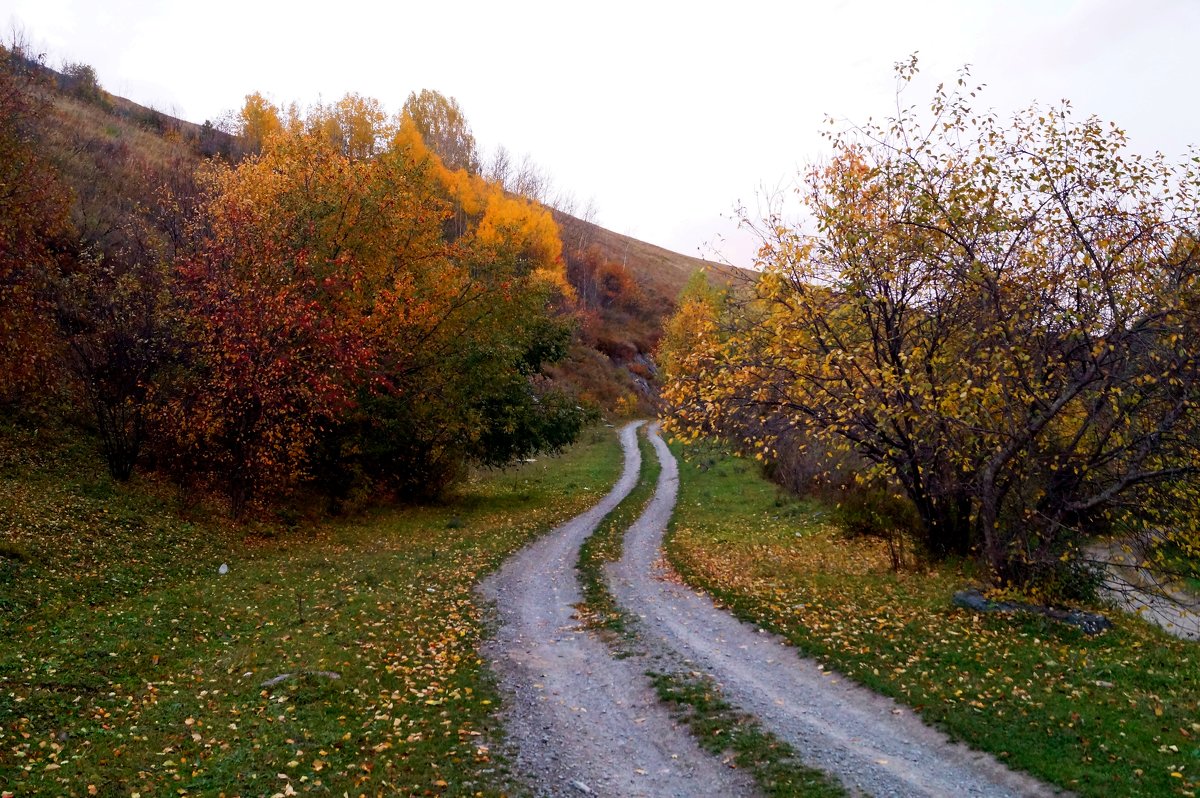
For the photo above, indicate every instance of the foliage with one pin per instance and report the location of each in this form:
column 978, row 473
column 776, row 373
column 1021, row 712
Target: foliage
column 113, row 315
column 80, row 80
column 362, row 314
column 1000, row 319
column 603, row 283
column 258, row 122
column 878, row 513
column 33, row 220
column 444, row 129
column 1114, row 714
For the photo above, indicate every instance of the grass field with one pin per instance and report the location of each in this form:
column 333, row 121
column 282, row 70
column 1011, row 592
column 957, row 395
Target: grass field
column 129, row 665
column 1117, row 714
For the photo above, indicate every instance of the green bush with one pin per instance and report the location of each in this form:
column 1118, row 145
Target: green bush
column 879, row 513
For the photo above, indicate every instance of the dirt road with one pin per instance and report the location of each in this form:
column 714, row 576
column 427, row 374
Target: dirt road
column 869, row 742
column 581, row 721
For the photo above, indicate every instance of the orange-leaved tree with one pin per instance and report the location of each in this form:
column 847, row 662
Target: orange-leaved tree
column 34, row 207
column 361, row 313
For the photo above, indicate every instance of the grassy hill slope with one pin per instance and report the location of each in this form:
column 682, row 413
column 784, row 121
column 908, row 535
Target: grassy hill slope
column 117, row 156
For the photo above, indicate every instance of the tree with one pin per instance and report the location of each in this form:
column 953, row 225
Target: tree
column 80, row 79
column 270, row 309
column 258, row 121
column 1000, row 319
column 444, row 128
column 357, row 126
column 112, row 313
column 364, row 317
column 34, row 208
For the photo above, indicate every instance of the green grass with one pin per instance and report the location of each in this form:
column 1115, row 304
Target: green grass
column 719, row 728
column 1117, row 714
column 1185, row 569
column 129, row 665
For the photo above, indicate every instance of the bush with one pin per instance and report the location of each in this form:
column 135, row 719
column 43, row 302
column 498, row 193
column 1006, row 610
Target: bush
column 882, row 514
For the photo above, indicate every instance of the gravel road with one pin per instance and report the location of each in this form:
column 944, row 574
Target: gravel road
column 582, row 722
column 872, row 744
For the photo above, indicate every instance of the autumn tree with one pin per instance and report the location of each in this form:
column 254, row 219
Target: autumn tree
column 363, row 316
column 1000, row 319
column 34, row 218
column 258, row 121
column 356, row 126
column 444, row 128
column 460, row 383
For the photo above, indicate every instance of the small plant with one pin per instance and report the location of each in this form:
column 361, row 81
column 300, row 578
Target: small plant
column 878, row 513
column 14, row 552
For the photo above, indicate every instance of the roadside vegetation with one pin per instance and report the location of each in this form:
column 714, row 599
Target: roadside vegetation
column 1115, row 714
column 992, row 323
column 129, row 664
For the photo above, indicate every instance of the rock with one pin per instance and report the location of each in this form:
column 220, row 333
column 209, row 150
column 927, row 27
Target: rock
column 283, row 677
column 973, row 600
column 1091, row 623
column 224, row 569
column 583, row 788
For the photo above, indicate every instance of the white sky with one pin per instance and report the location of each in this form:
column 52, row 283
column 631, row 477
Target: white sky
column 666, row 113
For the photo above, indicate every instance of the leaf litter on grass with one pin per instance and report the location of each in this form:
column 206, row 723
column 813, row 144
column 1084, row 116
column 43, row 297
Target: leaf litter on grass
column 131, row 665
column 1113, row 714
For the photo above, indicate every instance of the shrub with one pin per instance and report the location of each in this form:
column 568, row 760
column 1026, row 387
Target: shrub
column 879, row 513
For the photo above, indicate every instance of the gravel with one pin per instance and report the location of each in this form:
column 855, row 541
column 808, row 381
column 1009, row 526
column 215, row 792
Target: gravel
column 582, row 722
column 869, row 742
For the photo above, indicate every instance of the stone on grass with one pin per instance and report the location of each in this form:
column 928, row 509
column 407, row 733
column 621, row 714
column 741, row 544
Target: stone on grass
column 1091, row 623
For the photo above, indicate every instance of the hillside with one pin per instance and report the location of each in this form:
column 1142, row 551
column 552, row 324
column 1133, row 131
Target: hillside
column 115, row 155
column 627, row 289
column 660, row 272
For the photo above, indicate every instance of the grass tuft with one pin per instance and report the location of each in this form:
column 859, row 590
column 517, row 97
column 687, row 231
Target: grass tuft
column 721, row 728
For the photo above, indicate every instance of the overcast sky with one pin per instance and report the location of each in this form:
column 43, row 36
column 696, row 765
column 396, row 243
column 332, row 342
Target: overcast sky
column 668, row 114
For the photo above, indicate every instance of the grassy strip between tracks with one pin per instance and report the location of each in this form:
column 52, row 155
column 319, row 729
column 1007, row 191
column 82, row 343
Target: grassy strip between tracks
column 129, row 665
column 1115, row 714
column 717, row 726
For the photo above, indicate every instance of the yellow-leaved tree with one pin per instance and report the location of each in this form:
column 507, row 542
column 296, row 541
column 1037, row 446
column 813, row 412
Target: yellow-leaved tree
column 1000, row 318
